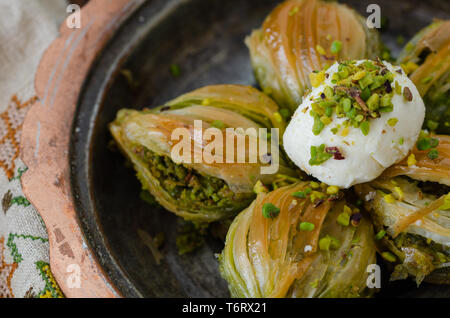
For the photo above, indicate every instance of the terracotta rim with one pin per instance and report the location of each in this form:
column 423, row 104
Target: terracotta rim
column 45, row 144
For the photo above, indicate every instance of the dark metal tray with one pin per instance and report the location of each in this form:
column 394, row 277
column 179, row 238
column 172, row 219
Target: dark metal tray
column 206, row 39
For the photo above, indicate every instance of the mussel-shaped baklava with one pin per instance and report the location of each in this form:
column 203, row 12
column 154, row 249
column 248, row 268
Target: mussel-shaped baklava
column 426, row 59
column 203, row 190
column 410, row 207
column 301, row 240
column 302, row 36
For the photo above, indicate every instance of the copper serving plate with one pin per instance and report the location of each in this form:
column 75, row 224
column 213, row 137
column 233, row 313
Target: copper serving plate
column 87, row 197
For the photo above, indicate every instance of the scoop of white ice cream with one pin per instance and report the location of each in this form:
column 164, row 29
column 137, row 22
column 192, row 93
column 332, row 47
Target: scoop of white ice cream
column 360, row 158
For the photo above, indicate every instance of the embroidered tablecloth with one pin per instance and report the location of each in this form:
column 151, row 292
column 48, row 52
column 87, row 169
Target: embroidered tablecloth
column 26, row 29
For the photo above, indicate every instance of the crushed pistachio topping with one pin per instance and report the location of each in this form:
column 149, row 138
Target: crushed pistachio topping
column 348, row 217
column 175, row 70
column 319, row 155
column 347, row 210
column 317, row 193
column 336, row 47
column 314, row 185
column 359, row 93
column 317, row 196
column 409, row 67
column 392, row 122
column 329, row 243
column 380, row 235
column 314, row 284
column 409, row 47
column 399, row 192
column 293, row 11
column 411, row 160
column 270, row 211
column 259, row 187
column 389, row 256
column 218, row 124
column 317, row 78
column 432, row 125
column 285, row 113
column 427, row 80
column 299, row 194
column 433, row 154
column 389, row 198
column 321, row 50
column 278, row 117
column 426, row 142
column 306, row 226
column 283, row 180
column 344, row 218
column 332, row 190
column 322, row 153
column 446, row 205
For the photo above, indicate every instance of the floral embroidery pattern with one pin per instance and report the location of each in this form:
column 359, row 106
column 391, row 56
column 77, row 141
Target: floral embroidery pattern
column 13, row 247
column 11, row 121
column 6, row 273
column 51, row 289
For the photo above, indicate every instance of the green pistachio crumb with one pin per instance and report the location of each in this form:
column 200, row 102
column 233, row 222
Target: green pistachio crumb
column 433, row 154
column 306, row 226
column 386, row 100
column 365, row 127
column 446, row 205
column 336, row 47
column 426, row 80
column 328, row 243
column 432, row 125
column 175, row 70
column 319, row 155
column 286, row 113
column 387, row 109
column 426, row 143
column 318, row 125
column 343, row 219
column 380, row 235
column 392, row 122
column 397, row 88
column 293, row 12
column 277, row 116
column 389, row 256
column 373, row 102
column 299, row 194
column 259, row 187
column 270, row 211
column 218, row 124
